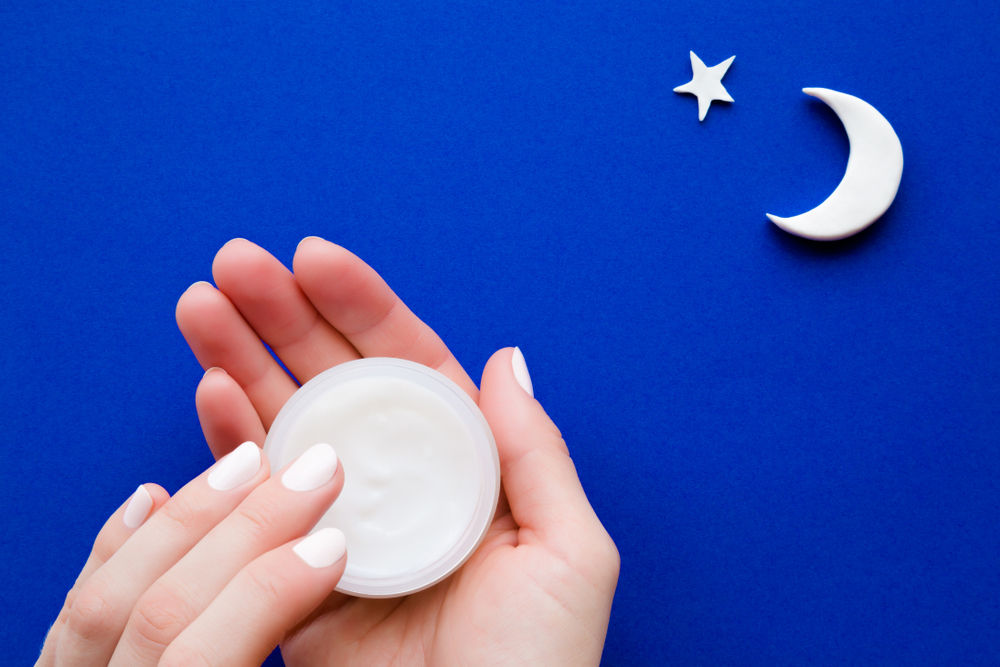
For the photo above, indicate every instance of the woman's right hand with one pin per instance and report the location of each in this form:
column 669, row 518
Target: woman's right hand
column 215, row 575
column 538, row 590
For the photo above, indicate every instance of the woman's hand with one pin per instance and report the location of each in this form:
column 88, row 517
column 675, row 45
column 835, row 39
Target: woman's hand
column 539, row 588
column 334, row 309
column 215, row 575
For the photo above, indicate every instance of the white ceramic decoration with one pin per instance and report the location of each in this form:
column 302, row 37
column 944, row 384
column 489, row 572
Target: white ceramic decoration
column 870, row 182
column 706, row 84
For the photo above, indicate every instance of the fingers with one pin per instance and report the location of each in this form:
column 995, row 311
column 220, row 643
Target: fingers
column 226, row 414
column 101, row 609
column 334, row 308
column 219, row 336
column 543, row 489
column 271, row 302
column 281, row 509
column 143, row 502
column 267, row 598
column 353, row 298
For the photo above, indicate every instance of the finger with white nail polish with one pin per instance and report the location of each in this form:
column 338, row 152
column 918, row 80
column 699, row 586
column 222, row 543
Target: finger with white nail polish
column 313, row 469
column 520, row 369
column 138, row 508
column 281, row 509
column 112, row 536
column 323, row 548
column 237, row 467
column 157, row 541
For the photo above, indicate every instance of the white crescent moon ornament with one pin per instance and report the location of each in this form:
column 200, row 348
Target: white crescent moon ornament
column 870, row 182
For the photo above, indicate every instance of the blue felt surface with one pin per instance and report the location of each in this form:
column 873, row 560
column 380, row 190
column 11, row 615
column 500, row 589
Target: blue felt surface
column 794, row 445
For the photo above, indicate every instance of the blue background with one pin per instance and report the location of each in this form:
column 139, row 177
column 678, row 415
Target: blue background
column 794, row 444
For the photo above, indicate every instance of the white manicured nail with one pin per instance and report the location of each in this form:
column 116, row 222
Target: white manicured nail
column 312, row 470
column 239, row 466
column 521, row 372
column 323, row 548
column 138, row 507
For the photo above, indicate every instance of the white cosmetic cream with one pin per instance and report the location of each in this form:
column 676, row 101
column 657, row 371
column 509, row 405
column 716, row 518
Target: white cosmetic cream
column 422, row 475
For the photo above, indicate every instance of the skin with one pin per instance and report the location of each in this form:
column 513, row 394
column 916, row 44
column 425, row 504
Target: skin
column 209, row 577
column 537, row 591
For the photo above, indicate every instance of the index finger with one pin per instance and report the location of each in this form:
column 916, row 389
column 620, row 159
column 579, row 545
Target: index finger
column 354, row 298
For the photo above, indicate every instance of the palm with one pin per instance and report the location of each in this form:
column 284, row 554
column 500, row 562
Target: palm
column 481, row 616
column 539, row 587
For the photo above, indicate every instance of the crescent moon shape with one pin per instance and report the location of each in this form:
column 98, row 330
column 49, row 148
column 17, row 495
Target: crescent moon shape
column 870, row 182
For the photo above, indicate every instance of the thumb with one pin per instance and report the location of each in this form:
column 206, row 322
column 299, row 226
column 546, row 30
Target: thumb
column 546, row 498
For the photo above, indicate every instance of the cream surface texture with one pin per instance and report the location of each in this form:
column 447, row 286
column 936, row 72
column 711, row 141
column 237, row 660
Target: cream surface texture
column 412, row 477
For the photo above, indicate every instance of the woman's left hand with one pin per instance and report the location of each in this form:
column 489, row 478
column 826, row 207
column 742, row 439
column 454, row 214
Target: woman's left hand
column 215, row 575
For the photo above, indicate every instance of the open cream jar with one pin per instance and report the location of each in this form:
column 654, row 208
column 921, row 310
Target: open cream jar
column 422, row 477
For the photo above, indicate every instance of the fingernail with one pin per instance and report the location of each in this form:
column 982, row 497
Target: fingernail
column 239, row 466
column 238, row 238
column 521, row 372
column 138, row 507
column 200, row 282
column 215, row 368
column 323, row 548
column 312, row 470
column 309, row 237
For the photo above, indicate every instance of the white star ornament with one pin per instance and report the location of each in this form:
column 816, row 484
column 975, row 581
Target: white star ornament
column 706, row 84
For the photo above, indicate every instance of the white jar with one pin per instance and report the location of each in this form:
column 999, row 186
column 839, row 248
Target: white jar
column 422, row 476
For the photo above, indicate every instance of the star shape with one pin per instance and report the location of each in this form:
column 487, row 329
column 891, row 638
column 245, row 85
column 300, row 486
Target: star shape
column 706, row 84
